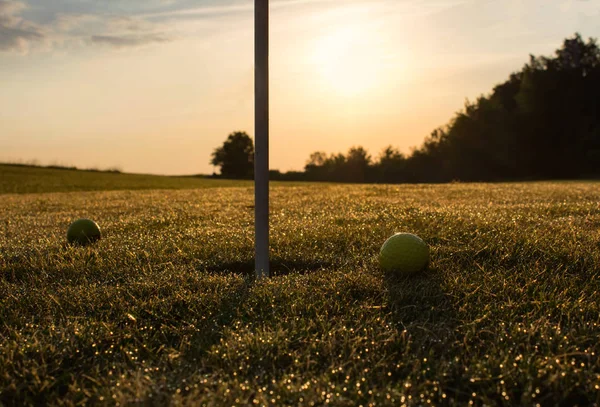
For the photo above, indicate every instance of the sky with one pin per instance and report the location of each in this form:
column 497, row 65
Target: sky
column 154, row 86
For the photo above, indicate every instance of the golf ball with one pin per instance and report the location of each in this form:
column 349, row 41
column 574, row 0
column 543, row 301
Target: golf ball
column 404, row 253
column 83, row 232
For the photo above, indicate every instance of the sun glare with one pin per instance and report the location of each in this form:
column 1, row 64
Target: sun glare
column 348, row 60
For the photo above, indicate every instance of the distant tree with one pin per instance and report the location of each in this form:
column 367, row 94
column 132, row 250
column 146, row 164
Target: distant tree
column 560, row 111
column 390, row 167
column 315, row 166
column 432, row 161
column 336, row 168
column 235, row 157
column 353, row 167
column 357, row 165
column 578, row 55
column 542, row 122
column 317, row 159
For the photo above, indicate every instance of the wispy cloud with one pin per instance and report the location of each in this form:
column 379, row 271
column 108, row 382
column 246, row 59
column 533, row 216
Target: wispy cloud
column 19, row 32
column 71, row 25
column 113, row 30
column 70, row 22
column 240, row 7
column 199, row 11
column 127, row 41
column 16, row 34
column 133, row 24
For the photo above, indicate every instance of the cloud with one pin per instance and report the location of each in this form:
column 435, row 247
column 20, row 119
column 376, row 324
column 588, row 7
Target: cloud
column 133, row 24
column 117, row 31
column 61, row 29
column 72, row 22
column 17, row 34
column 130, row 40
column 199, row 12
column 61, row 24
column 10, row 7
column 130, row 32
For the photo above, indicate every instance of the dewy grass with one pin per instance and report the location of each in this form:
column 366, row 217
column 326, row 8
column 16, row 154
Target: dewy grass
column 20, row 179
column 165, row 310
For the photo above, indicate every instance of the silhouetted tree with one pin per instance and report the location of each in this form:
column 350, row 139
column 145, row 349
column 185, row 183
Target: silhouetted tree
column 335, row 167
column 391, row 166
column 315, row 166
column 558, row 102
column 357, row 165
column 542, row 122
column 353, row 167
column 432, row 162
column 235, row 156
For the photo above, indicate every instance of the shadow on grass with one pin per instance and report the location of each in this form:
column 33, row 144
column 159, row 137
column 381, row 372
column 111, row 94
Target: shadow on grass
column 230, row 308
column 279, row 267
column 438, row 328
column 210, row 331
column 420, row 308
column 425, row 315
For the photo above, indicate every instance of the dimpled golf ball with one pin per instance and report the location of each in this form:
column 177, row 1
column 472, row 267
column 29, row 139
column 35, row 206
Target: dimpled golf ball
column 83, row 232
column 404, row 253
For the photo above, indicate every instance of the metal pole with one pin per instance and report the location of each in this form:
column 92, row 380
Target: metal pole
column 261, row 134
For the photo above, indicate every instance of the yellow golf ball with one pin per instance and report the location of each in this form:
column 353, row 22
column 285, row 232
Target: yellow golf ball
column 83, row 232
column 404, row 253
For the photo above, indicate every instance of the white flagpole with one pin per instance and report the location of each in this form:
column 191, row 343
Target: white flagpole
column 261, row 136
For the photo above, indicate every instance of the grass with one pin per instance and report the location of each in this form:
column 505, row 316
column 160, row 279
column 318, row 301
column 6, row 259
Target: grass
column 21, row 179
column 164, row 309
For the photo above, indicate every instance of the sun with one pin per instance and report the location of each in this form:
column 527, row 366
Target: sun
column 348, row 61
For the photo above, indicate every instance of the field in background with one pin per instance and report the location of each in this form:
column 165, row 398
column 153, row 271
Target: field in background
column 165, row 309
column 21, row 179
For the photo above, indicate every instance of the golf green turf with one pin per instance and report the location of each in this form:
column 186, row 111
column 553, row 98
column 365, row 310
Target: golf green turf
column 165, row 310
column 19, row 179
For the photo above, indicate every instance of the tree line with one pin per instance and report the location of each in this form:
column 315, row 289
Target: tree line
column 543, row 122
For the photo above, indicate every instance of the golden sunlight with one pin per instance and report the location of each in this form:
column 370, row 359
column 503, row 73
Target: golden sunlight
column 349, row 60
